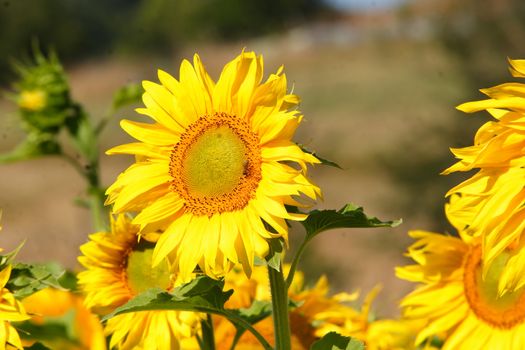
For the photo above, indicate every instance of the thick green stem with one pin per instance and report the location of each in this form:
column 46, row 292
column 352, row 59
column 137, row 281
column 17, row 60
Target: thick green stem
column 208, row 338
column 281, row 319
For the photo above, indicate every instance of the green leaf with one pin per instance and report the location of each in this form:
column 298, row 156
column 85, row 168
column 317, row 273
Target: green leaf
column 258, row 311
column 35, row 145
column 127, row 95
column 350, row 216
column 335, row 341
column 53, row 328
column 324, row 161
column 27, row 279
column 203, row 294
column 274, row 257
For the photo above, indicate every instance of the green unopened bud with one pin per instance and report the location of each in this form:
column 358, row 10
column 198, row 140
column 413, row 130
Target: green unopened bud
column 42, row 94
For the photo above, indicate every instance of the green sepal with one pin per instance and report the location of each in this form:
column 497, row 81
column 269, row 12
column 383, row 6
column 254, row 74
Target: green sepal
column 274, row 257
column 349, row 216
column 335, row 341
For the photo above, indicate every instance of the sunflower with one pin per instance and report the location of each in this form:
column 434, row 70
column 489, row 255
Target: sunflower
column 496, row 194
column 118, row 267
column 11, row 310
column 455, row 301
column 53, row 306
column 360, row 323
column 217, row 167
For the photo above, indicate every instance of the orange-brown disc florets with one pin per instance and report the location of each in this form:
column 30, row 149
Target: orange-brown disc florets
column 216, row 165
column 503, row 312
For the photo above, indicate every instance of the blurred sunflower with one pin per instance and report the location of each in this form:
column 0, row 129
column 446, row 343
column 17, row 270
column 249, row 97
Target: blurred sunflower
column 11, row 310
column 118, row 267
column 317, row 313
column 494, row 198
column 215, row 170
column 455, row 302
column 58, row 307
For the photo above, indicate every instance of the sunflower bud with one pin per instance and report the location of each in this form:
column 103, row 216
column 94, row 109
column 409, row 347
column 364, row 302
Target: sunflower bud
column 42, row 95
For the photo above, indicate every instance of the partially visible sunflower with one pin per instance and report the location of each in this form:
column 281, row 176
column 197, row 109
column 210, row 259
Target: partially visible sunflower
column 56, row 306
column 360, row 323
column 217, row 167
column 118, row 267
column 455, row 302
column 496, row 194
column 11, row 310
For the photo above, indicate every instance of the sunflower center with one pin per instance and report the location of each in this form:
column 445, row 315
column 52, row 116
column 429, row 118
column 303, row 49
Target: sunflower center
column 482, row 294
column 216, row 165
column 141, row 275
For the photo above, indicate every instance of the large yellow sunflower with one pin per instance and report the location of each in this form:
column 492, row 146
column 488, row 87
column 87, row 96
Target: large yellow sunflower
column 494, row 198
column 118, row 267
column 11, row 310
column 455, row 301
column 216, row 167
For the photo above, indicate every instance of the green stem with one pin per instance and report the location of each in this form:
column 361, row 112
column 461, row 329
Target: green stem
column 104, row 121
column 73, row 162
column 296, row 258
column 95, row 193
column 99, row 215
column 244, row 324
column 281, row 319
column 208, row 338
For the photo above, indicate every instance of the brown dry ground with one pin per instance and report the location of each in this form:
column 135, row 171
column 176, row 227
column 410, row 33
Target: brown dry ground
column 381, row 109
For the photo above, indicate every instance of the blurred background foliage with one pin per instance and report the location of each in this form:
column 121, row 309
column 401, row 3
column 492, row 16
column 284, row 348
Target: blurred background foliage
column 79, row 29
column 379, row 81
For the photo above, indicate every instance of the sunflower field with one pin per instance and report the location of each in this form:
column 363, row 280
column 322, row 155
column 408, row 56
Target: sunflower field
column 199, row 205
